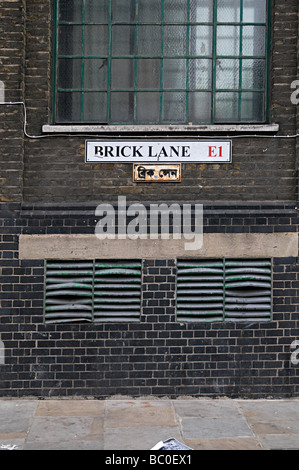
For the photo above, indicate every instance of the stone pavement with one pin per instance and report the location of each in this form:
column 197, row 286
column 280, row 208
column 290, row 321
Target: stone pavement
column 123, row 423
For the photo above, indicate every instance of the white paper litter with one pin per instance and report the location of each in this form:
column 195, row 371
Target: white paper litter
column 170, row 444
column 8, row 447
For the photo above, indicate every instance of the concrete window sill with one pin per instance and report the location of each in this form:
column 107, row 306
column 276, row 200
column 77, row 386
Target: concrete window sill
column 185, row 129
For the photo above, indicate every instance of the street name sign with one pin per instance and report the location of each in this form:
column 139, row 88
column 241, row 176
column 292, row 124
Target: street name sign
column 138, row 151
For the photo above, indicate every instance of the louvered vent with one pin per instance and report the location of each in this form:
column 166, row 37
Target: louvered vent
column 200, row 290
column 117, row 291
column 248, row 289
column 219, row 290
column 89, row 291
column 68, row 291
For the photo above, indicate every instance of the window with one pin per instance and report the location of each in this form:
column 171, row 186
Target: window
column 92, row 291
column 224, row 290
column 161, row 61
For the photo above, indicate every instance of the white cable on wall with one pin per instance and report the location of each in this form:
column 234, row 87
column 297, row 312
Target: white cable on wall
column 22, row 103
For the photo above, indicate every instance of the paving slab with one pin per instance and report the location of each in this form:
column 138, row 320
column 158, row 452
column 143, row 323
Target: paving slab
column 55, row 430
column 12, row 444
column 139, row 424
column 234, row 443
column 215, row 428
column 70, row 408
column 140, row 413
column 275, row 423
column 139, row 438
column 270, row 410
column 279, row 441
column 275, row 427
column 206, row 408
column 64, row 445
column 16, row 416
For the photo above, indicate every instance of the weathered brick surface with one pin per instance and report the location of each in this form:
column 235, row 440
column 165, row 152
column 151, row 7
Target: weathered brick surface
column 262, row 168
column 57, row 194
column 55, row 168
column 158, row 355
column 11, row 116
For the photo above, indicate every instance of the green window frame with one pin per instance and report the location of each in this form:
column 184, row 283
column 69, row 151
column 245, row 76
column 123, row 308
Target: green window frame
column 92, row 291
column 161, row 61
column 222, row 290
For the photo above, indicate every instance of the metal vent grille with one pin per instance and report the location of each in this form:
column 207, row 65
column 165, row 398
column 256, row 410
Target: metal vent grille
column 200, row 290
column 224, row 290
column 117, row 291
column 248, row 289
column 68, row 291
column 95, row 290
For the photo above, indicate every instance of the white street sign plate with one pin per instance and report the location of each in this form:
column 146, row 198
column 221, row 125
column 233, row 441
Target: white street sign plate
column 137, row 151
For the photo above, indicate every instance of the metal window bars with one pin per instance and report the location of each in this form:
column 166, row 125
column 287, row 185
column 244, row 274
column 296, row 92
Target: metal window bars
column 161, row 61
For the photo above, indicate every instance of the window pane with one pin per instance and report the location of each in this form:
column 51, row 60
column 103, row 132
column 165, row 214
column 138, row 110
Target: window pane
column 122, row 73
column 200, row 107
column 253, row 40
column 123, row 40
column 159, row 68
column 96, row 40
column 174, row 73
column 122, row 107
column 200, row 74
column 254, row 11
column 95, row 106
column 123, row 10
column 69, row 73
column 148, row 107
column 149, row 41
column 201, row 38
column 148, row 73
column 69, row 107
column 70, row 40
column 252, row 106
column 253, row 73
column 226, row 107
column 228, row 40
column 175, row 40
column 175, row 11
column 174, row 107
column 95, row 73
column 95, row 11
column 227, row 73
column 70, row 10
column 149, row 12
column 228, row 11
column 201, row 11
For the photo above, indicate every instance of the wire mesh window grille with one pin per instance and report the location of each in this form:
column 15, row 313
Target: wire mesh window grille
column 161, row 61
column 92, row 291
column 224, row 290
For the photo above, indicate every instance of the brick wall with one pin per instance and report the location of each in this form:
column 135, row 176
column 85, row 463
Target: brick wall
column 262, row 168
column 158, row 355
column 57, row 194
column 11, row 117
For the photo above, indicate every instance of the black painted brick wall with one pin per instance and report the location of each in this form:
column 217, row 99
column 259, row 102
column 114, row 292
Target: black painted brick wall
column 157, row 356
column 226, row 217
